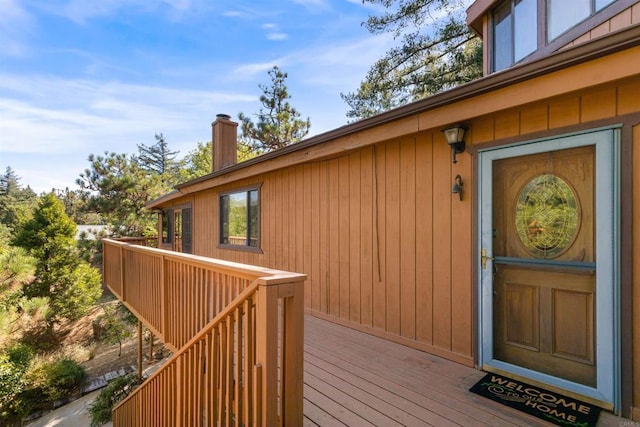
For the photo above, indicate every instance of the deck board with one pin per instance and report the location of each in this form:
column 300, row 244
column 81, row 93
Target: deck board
column 356, row 379
column 359, row 379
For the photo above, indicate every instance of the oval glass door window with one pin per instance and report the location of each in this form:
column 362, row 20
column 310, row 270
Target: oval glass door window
column 547, row 216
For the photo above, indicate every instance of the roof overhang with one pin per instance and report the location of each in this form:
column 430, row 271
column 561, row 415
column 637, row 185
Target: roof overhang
column 299, row 153
column 476, row 12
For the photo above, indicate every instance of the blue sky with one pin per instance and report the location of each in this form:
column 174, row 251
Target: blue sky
column 87, row 76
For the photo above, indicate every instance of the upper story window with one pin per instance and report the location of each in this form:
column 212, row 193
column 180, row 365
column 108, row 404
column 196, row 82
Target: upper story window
column 522, row 28
column 565, row 14
column 515, row 32
column 240, row 218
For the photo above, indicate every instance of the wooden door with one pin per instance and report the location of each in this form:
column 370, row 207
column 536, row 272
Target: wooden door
column 544, row 277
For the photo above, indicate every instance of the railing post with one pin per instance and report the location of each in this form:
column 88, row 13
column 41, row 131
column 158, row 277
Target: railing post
column 122, row 275
column 289, row 412
column 293, row 353
column 267, row 352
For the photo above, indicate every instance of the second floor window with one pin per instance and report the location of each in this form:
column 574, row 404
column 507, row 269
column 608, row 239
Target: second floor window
column 565, row 14
column 515, row 34
column 240, row 218
column 521, row 28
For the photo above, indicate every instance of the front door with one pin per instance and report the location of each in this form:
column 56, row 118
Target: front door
column 548, row 287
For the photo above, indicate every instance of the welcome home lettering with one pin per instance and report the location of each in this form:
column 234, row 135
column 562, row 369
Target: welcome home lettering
column 543, row 401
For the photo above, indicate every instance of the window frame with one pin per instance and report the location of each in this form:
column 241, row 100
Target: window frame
column 166, row 213
column 246, row 247
column 546, row 47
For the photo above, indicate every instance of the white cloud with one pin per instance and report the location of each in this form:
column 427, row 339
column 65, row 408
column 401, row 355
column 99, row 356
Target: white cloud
column 81, row 11
column 94, row 115
column 323, row 4
column 273, row 32
column 277, row 36
column 15, row 25
column 248, row 70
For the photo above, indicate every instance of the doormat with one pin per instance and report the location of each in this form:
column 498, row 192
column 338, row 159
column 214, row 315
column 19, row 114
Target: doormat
column 549, row 406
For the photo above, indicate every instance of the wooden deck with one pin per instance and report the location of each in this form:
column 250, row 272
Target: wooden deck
column 356, row 379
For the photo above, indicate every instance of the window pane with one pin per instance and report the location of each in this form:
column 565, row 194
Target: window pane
column 525, row 28
column 224, row 220
column 167, row 215
column 502, row 37
column 600, row 4
column 563, row 14
column 238, row 218
column 254, row 219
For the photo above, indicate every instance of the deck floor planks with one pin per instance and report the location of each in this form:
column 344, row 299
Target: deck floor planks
column 334, row 408
column 315, row 416
column 395, row 405
column 338, row 393
column 430, row 382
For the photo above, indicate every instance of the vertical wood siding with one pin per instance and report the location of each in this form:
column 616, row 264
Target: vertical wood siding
column 373, row 230
column 387, row 248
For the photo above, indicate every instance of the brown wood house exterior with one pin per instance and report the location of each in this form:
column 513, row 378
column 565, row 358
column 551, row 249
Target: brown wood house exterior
column 367, row 212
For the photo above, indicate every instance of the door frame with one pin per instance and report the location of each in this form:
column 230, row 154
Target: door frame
column 607, row 235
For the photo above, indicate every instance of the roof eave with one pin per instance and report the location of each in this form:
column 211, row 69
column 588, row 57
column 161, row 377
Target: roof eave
column 623, row 39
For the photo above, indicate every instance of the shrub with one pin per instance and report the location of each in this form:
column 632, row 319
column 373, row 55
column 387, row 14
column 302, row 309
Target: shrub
column 49, row 381
column 118, row 389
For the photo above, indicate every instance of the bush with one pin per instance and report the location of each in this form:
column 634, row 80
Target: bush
column 110, row 396
column 47, row 381
column 59, row 379
column 30, row 384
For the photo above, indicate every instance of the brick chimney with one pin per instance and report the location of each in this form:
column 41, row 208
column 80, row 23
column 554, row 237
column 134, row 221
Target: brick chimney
column 225, row 141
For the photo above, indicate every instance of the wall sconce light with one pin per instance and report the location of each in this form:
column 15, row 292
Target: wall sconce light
column 454, row 137
column 457, row 186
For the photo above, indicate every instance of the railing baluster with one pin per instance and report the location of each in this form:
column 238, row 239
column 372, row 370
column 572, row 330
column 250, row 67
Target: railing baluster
column 221, row 321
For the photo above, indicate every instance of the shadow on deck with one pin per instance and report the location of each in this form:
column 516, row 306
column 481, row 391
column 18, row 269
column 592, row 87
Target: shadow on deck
column 356, row 379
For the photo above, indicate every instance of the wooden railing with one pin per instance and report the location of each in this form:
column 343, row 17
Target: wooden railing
column 237, row 332
column 143, row 241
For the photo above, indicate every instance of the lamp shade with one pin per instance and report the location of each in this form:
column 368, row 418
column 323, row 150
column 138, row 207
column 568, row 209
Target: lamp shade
column 454, row 135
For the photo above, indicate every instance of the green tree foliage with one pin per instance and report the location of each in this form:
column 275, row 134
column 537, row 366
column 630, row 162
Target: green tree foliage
column 197, row 162
column 11, row 385
column 75, row 205
column 437, row 52
column 16, row 203
column 158, row 158
column 120, row 188
column 71, row 285
column 118, row 389
column 9, row 182
column 278, row 123
column 114, row 328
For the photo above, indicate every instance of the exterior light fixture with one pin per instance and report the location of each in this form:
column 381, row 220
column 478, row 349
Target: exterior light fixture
column 457, row 186
column 455, row 139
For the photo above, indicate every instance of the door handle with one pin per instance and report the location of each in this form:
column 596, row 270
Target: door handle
column 484, row 258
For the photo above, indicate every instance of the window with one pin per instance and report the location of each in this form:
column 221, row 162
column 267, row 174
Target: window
column 240, row 218
column 565, row 14
column 167, row 220
column 515, row 34
column 532, row 28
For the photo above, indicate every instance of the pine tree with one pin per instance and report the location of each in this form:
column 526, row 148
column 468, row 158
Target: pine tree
column 437, row 52
column 278, row 123
column 9, row 182
column 157, row 158
column 70, row 284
